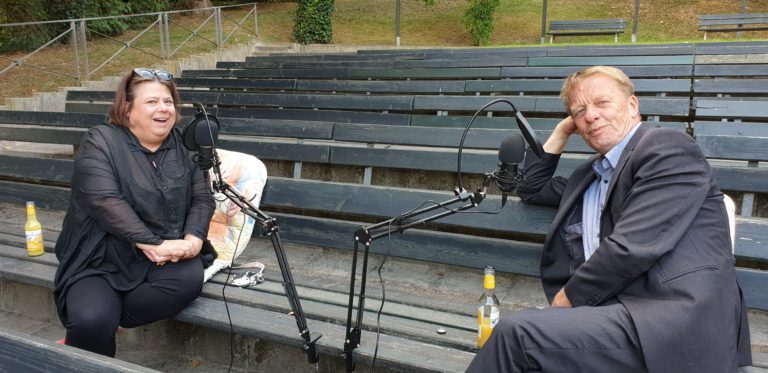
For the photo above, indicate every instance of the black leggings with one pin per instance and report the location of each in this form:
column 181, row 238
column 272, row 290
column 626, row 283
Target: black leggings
column 95, row 310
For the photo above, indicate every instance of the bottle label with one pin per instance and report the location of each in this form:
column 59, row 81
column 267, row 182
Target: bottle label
column 494, row 317
column 489, row 282
column 486, row 323
column 34, row 242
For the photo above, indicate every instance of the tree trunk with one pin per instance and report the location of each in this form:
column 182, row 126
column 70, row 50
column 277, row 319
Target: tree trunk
column 202, row 4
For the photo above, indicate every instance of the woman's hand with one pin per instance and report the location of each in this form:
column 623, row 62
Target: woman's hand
column 169, row 251
column 197, row 245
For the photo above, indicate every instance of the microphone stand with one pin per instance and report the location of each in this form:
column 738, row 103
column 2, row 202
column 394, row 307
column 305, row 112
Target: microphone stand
column 270, row 228
column 367, row 235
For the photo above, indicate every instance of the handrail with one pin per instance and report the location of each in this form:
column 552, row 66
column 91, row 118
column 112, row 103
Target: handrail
column 79, row 41
column 124, row 15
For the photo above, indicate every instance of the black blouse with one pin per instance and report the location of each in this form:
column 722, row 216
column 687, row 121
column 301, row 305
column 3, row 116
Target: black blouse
column 123, row 194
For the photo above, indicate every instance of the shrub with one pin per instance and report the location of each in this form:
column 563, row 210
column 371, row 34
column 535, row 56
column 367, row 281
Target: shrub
column 73, row 9
column 24, row 37
column 313, row 22
column 478, row 20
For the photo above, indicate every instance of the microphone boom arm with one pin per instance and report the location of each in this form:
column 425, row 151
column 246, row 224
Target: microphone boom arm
column 367, row 235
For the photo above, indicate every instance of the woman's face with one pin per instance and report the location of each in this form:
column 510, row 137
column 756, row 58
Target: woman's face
column 152, row 115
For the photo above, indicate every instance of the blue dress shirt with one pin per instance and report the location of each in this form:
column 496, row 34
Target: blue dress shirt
column 595, row 195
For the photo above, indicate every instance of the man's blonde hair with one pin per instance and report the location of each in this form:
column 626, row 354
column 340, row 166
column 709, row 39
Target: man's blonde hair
column 625, row 84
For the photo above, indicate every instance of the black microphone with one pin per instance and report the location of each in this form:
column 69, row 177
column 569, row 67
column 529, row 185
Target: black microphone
column 200, row 135
column 507, row 176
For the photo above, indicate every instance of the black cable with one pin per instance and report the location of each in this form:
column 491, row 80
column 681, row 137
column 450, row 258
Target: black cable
column 383, row 294
column 224, row 297
column 466, row 131
column 386, row 256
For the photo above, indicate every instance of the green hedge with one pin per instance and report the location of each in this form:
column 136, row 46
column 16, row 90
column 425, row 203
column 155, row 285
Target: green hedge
column 478, row 20
column 32, row 37
column 313, row 22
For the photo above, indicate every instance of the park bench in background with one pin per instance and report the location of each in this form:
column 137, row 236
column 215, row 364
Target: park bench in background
column 587, row 27
column 733, row 22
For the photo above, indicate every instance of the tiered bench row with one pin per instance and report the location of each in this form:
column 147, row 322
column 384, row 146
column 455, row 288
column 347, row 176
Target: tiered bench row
column 352, row 139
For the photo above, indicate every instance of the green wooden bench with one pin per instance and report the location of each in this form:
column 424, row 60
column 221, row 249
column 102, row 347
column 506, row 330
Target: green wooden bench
column 338, row 163
column 586, row 27
column 733, row 22
column 21, row 352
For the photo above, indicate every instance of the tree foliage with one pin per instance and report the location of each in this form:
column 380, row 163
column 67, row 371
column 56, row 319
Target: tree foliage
column 32, row 37
column 23, row 37
column 478, row 20
column 313, row 22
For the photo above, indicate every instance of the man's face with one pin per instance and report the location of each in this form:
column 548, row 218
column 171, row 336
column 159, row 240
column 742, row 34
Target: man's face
column 602, row 112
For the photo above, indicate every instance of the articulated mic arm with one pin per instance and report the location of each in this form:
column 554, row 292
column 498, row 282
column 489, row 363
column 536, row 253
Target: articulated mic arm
column 367, row 235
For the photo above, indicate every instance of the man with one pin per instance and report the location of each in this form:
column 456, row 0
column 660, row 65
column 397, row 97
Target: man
column 637, row 264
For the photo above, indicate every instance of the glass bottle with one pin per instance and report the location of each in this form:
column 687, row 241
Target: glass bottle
column 488, row 310
column 33, row 232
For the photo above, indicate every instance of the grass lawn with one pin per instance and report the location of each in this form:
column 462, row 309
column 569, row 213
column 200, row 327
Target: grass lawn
column 372, row 22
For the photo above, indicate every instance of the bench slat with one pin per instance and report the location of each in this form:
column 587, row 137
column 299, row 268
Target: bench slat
column 435, row 73
column 729, row 86
column 318, row 101
column 379, row 202
column 317, row 115
column 541, row 104
column 731, row 108
column 737, row 70
column 554, row 85
column 564, row 71
column 271, row 84
column 449, row 248
column 611, row 60
column 25, row 353
column 386, row 86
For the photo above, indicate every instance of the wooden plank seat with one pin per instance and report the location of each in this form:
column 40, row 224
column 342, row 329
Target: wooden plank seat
column 733, row 22
column 633, row 71
column 375, row 202
column 667, row 106
column 730, row 118
column 731, row 70
column 20, row 352
column 585, row 27
column 415, row 148
column 324, row 213
column 260, row 312
column 394, row 64
column 553, row 86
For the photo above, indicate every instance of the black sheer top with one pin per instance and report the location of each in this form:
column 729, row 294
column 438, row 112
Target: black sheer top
column 123, row 194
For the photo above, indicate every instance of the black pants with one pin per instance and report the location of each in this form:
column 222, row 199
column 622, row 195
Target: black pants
column 582, row 339
column 95, row 310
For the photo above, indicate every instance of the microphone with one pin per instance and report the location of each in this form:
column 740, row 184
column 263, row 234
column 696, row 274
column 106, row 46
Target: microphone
column 200, row 135
column 507, row 176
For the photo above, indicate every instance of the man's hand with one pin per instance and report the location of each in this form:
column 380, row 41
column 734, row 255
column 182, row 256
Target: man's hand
column 559, row 137
column 561, row 300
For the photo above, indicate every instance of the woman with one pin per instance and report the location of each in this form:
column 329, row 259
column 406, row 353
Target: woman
column 139, row 211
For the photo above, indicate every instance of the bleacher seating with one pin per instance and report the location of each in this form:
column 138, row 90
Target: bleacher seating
column 352, row 139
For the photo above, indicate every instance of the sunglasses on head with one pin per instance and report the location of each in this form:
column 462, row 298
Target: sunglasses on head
column 151, row 73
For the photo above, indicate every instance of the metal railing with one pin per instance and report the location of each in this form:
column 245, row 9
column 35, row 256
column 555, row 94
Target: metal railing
column 78, row 32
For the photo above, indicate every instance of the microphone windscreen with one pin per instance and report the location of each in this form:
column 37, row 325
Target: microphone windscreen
column 512, row 149
column 196, row 133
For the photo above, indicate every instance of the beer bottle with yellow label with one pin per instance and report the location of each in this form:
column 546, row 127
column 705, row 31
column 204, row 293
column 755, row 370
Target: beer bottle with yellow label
column 33, row 232
column 488, row 311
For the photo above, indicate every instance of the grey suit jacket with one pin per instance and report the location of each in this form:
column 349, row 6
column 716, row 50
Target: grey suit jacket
column 664, row 253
